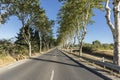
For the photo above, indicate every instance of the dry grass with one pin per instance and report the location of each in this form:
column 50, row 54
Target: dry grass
column 104, row 52
column 95, row 55
column 108, row 73
column 6, row 60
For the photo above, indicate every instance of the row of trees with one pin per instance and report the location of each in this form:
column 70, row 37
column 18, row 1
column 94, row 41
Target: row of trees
column 36, row 28
column 74, row 16
column 88, row 47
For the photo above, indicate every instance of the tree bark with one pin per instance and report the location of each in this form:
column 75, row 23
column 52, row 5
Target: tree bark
column 0, row 19
column 40, row 43
column 26, row 37
column 115, row 29
column 29, row 45
column 83, row 30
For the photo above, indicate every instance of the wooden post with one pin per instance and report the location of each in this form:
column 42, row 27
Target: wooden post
column 103, row 60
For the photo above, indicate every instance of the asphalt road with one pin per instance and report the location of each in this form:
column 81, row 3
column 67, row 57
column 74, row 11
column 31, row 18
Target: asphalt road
column 51, row 66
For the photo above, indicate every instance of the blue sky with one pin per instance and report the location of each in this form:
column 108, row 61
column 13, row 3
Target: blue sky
column 98, row 31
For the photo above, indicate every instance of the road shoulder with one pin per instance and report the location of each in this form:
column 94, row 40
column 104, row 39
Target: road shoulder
column 20, row 62
column 91, row 67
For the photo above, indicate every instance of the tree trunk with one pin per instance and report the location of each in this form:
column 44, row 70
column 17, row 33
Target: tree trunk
column 40, row 46
column 47, row 46
column 29, row 51
column 40, row 43
column 80, row 48
column 26, row 38
column 81, row 42
column 115, row 58
column 44, row 46
column 117, row 30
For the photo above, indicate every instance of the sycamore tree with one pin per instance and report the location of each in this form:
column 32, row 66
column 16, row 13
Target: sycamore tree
column 114, row 26
column 39, row 25
column 25, row 10
column 44, row 28
column 32, row 16
column 75, row 16
column 46, row 34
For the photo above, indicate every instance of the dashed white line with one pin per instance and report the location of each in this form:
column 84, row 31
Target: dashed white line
column 52, row 75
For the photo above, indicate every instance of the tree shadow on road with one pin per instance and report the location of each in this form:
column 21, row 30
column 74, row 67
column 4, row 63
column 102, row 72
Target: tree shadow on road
column 58, row 62
column 90, row 69
column 54, row 55
column 73, row 65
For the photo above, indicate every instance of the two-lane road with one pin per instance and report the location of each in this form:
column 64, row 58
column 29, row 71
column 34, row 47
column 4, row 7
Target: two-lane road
column 51, row 66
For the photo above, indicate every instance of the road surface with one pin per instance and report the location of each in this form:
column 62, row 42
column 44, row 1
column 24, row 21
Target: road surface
column 51, row 66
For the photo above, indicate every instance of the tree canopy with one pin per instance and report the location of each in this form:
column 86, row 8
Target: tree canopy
column 73, row 18
column 35, row 24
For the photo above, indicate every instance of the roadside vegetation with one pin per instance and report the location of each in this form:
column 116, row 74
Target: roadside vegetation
column 35, row 35
column 98, row 47
column 74, row 16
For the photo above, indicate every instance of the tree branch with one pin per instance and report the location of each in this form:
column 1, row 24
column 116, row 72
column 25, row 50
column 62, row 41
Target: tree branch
column 108, row 15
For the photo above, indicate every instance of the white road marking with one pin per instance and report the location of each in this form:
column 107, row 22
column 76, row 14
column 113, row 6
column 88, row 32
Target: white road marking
column 52, row 75
column 13, row 65
column 17, row 63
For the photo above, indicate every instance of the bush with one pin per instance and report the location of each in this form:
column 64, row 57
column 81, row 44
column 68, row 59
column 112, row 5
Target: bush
column 87, row 49
column 97, row 46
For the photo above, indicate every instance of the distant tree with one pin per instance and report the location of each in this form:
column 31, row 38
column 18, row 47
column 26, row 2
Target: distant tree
column 107, row 46
column 96, row 44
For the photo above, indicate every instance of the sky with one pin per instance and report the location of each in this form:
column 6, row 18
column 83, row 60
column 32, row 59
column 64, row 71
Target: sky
column 98, row 31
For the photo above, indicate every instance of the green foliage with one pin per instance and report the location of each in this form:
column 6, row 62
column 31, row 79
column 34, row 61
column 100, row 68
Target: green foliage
column 46, row 34
column 96, row 45
column 22, row 9
column 73, row 17
column 36, row 27
column 87, row 47
column 107, row 46
column 6, row 47
column 20, row 50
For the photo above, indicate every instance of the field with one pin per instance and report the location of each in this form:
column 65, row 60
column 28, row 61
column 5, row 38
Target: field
column 97, row 54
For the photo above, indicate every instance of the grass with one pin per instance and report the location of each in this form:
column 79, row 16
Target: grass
column 97, row 54
column 104, row 52
column 5, row 60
